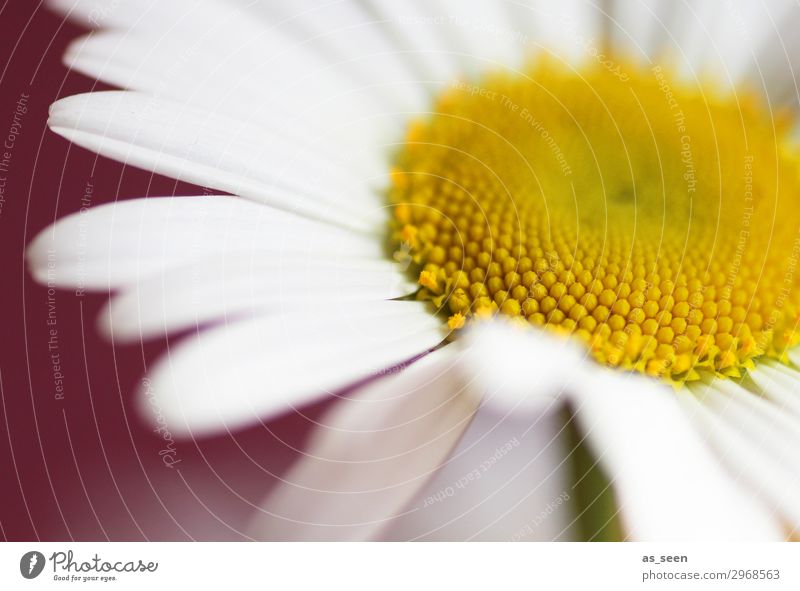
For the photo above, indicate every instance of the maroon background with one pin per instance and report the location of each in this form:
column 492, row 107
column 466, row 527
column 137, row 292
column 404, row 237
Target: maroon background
column 87, row 467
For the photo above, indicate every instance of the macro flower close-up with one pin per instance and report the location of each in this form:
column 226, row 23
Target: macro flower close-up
column 539, row 260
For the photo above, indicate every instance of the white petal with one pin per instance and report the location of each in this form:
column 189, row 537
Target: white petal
column 239, row 373
column 277, row 63
column 351, row 37
column 324, row 31
column 122, row 13
column 691, row 25
column 794, row 356
column 569, row 30
column 211, row 289
column 756, row 440
column 119, row 243
column 777, row 67
column 520, row 370
column 777, row 432
column 738, row 34
column 780, row 384
column 668, row 484
column 732, row 41
column 639, row 29
column 727, row 45
column 480, row 32
column 369, row 455
column 274, row 81
column 508, row 480
column 416, row 29
column 764, row 476
column 209, row 149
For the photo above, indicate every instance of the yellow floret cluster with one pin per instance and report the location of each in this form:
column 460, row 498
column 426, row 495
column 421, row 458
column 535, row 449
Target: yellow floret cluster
column 654, row 219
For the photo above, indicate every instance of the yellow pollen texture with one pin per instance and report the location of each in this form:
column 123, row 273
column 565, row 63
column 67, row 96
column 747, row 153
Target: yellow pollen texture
column 656, row 220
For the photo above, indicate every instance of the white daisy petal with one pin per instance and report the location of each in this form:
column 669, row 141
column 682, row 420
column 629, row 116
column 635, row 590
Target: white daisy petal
column 778, row 57
column 255, row 73
column 572, row 30
column 266, row 61
column 208, row 149
column 124, row 13
column 668, row 484
column 733, row 55
column 778, row 432
column 369, row 456
column 734, row 58
column 417, row 31
column 771, row 433
column 120, row 243
column 376, row 59
column 500, row 359
column 299, row 31
column 780, row 384
column 508, row 480
column 690, row 27
column 742, row 450
column 480, row 33
column 794, row 356
column 190, row 295
column 725, row 45
column 239, row 373
column 273, row 80
column 639, row 29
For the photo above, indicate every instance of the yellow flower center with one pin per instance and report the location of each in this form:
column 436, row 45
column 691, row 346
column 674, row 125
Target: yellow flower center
column 656, row 220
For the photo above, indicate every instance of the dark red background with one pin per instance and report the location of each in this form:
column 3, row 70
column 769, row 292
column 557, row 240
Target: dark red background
column 87, row 467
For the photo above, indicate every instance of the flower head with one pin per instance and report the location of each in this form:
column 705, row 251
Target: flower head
column 482, row 228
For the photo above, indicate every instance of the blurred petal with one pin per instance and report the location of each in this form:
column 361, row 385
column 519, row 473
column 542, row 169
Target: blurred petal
column 119, row 244
column 243, row 372
column 757, row 441
column 369, row 456
column 519, row 369
column 508, row 480
column 779, row 383
column 213, row 289
column 214, row 150
column 668, row 484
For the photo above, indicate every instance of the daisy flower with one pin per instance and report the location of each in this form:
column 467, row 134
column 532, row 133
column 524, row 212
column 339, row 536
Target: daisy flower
column 543, row 253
